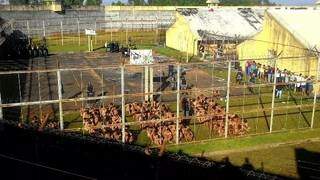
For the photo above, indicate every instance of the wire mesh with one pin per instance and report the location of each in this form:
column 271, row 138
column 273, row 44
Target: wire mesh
column 34, row 93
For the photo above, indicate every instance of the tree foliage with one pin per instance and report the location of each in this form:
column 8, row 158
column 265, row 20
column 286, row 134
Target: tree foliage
column 80, row 2
column 18, row 2
column 118, row 3
column 137, row 2
column 176, row 2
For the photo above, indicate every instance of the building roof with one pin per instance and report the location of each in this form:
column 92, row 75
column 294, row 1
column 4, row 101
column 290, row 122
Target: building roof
column 230, row 22
column 302, row 23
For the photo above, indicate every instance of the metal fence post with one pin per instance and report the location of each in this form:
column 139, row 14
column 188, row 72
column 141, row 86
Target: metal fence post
column 1, row 112
column 127, row 31
column 123, row 115
column 146, row 83
column 315, row 83
column 226, row 125
column 102, row 85
column 81, row 87
column 178, row 103
column 61, row 32
column 60, row 99
column 111, row 30
column 39, row 94
column 273, row 93
column 156, row 35
column 28, row 28
column 151, row 83
column 79, row 38
column 187, row 50
column 44, row 29
column 96, row 36
column 20, row 96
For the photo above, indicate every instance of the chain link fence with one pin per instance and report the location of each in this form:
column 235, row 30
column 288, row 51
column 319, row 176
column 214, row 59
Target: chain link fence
column 257, row 104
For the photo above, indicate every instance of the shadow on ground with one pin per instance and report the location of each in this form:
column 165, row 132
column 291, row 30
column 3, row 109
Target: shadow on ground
column 308, row 164
column 29, row 154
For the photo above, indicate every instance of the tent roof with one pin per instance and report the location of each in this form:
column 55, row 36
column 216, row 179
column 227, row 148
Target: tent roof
column 302, row 23
column 230, row 22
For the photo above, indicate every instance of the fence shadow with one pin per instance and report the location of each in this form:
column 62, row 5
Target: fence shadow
column 308, row 163
column 30, row 154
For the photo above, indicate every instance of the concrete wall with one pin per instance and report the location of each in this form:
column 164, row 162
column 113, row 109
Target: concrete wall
column 39, row 22
column 180, row 37
column 48, row 7
column 261, row 45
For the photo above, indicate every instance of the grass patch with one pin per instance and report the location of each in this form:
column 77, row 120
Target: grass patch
column 67, row 48
column 73, row 43
column 172, row 53
column 72, row 120
column 251, row 141
column 279, row 160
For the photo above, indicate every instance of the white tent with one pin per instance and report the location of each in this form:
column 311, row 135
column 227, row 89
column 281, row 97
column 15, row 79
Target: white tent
column 303, row 24
column 224, row 22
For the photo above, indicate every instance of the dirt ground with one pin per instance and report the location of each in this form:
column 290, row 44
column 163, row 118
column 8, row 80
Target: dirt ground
column 43, row 86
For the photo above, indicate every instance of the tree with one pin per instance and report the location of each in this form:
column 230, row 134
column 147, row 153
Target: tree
column 79, row 2
column 18, row 2
column 118, row 3
column 136, row 2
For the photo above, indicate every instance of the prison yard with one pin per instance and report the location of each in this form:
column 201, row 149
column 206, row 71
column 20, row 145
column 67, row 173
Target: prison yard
column 186, row 81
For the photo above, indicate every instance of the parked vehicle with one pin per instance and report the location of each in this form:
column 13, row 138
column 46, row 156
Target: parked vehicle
column 113, row 47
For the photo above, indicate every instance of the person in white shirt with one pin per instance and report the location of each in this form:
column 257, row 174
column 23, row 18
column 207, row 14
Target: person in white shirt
column 298, row 84
column 292, row 80
column 286, row 79
column 303, row 85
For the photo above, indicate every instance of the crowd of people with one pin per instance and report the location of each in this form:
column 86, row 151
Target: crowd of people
column 159, row 121
column 43, row 121
column 105, row 122
column 285, row 79
column 150, row 114
column 209, row 112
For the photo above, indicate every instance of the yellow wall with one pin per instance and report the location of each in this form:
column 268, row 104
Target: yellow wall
column 56, row 7
column 273, row 31
column 174, row 8
column 180, row 37
column 147, row 8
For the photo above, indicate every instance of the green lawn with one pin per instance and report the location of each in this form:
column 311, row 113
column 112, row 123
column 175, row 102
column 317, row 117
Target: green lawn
column 147, row 39
column 280, row 160
column 67, row 48
column 72, row 43
column 244, row 142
